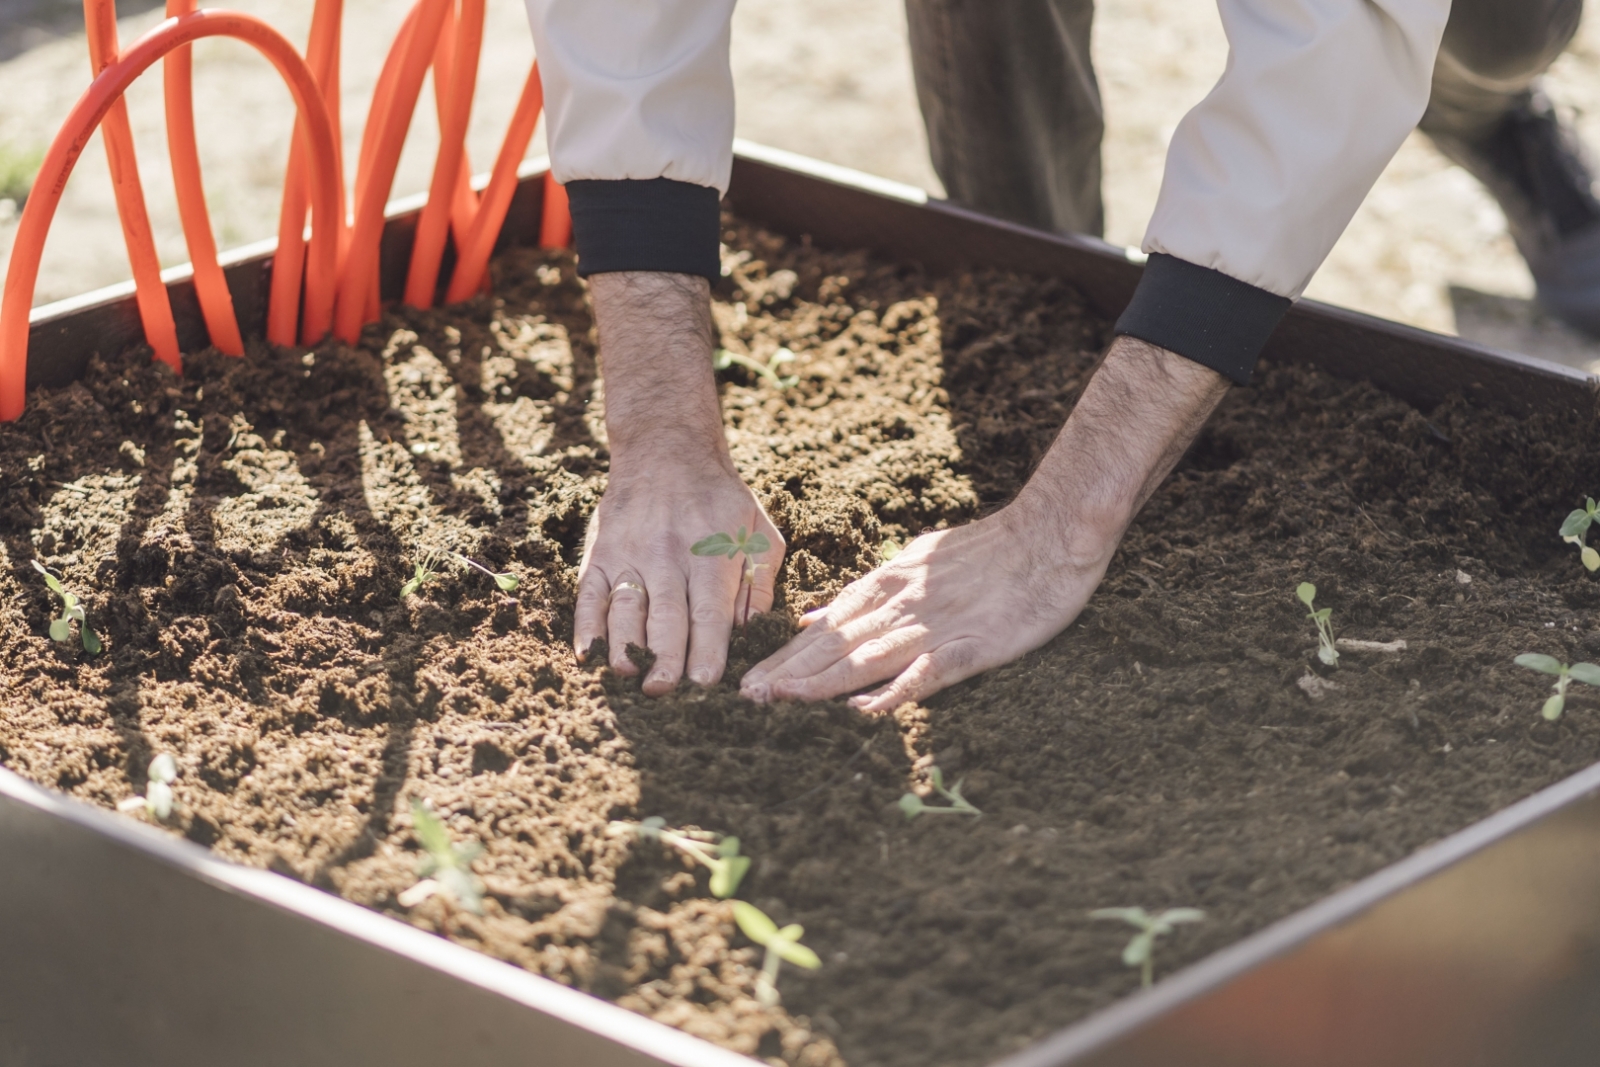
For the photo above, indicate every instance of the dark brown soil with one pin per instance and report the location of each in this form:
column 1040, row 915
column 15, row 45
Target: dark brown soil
column 240, row 537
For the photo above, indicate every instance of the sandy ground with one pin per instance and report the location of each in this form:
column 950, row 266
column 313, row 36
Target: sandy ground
column 829, row 78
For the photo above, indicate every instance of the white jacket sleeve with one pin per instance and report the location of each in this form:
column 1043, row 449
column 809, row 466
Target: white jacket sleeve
column 636, row 89
column 1264, row 174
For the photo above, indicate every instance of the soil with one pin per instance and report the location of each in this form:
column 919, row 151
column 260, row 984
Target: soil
column 240, row 536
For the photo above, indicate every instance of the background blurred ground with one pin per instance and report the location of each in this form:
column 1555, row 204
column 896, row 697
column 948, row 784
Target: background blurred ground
column 828, row 78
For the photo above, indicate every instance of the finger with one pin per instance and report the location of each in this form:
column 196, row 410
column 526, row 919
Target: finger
column 884, row 656
column 589, row 614
column 856, row 599
column 763, row 584
column 831, row 646
column 927, row 674
column 667, row 630
column 814, row 615
column 715, row 597
column 625, row 621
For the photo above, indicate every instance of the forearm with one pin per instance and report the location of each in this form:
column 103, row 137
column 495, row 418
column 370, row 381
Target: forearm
column 656, row 340
column 1138, row 415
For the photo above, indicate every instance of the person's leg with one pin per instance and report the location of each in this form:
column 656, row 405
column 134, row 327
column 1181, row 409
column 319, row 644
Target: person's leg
column 1488, row 115
column 1012, row 107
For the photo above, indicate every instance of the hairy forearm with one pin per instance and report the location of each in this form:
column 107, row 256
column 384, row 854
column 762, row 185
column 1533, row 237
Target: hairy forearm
column 1140, row 411
column 656, row 339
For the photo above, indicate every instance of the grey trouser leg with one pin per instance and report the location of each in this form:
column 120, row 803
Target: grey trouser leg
column 1012, row 107
column 1493, row 52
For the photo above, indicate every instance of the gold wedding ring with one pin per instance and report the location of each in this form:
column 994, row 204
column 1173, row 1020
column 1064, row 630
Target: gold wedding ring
column 620, row 586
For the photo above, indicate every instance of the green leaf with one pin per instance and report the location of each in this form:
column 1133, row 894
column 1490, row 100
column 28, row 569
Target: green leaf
column 728, row 846
column 1553, row 707
column 756, row 544
column 61, row 630
column 654, row 824
column 49, row 579
column 1539, row 662
column 431, row 833
column 158, row 798
column 1324, row 615
column 91, row 640
column 1174, row 916
column 1590, row 557
column 717, row 544
column 782, row 355
column 754, row 922
column 936, row 776
column 1328, row 655
column 912, row 805
column 1132, row 916
column 1306, row 592
column 722, row 360
column 726, row 874
column 410, row 587
column 464, row 886
column 790, row 950
column 1576, row 523
column 1587, row 673
column 163, row 768
column 507, row 582
column 789, row 381
column 1138, row 949
column 889, row 549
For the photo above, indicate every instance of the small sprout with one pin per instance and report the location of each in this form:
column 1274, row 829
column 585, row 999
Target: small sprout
column 782, row 945
column 719, row 854
column 914, row 805
column 426, row 571
column 1307, row 592
column 157, row 799
column 1587, row 673
column 507, row 582
column 768, row 370
column 751, row 544
column 1575, row 531
column 889, row 549
column 446, row 868
column 71, row 611
column 1141, row 951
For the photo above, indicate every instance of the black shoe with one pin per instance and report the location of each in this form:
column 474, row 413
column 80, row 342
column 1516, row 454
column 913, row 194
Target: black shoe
column 1535, row 166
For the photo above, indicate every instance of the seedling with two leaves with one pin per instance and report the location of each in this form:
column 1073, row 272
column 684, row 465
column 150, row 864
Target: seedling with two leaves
column 1575, row 531
column 768, row 370
column 429, row 569
column 1307, row 593
column 157, row 799
column 914, row 805
column 751, row 544
column 782, row 945
column 1587, row 673
column 719, row 854
column 1140, row 952
column 446, row 867
column 71, row 612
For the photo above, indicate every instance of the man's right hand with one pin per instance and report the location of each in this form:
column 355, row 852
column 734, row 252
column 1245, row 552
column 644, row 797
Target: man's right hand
column 672, row 483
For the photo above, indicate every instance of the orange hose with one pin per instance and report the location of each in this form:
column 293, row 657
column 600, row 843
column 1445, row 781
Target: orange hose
column 155, row 308
column 288, row 262
column 454, row 80
column 210, row 285
column 472, row 263
column 555, row 224
column 361, row 265
column 97, row 103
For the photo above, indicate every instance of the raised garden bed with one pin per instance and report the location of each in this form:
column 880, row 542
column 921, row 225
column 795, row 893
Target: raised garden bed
column 1179, row 746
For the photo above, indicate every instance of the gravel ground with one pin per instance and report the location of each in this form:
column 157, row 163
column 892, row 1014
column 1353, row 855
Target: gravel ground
column 829, row 78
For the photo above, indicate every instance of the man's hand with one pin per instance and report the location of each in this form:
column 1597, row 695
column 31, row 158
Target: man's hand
column 960, row 601
column 672, row 483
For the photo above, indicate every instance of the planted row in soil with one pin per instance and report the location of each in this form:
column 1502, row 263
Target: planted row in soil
column 240, row 537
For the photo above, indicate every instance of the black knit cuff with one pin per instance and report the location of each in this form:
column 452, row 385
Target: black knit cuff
column 1203, row 315
column 656, row 224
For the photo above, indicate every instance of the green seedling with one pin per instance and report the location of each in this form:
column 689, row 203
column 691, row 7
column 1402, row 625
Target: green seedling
column 768, row 370
column 1307, row 593
column 425, row 572
column 751, row 544
column 507, row 582
column 157, row 799
column 446, row 867
column 889, row 549
column 1575, row 531
column 1587, row 673
column 914, row 805
column 719, row 854
column 782, row 945
column 71, row 612
column 1141, row 951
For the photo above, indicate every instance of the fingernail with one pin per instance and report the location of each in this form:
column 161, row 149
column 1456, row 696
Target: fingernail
column 859, row 702
column 757, row 692
column 701, row 676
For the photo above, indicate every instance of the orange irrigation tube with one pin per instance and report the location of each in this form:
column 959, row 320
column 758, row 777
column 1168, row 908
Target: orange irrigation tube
column 101, row 99
column 454, row 80
column 155, row 309
column 216, row 303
